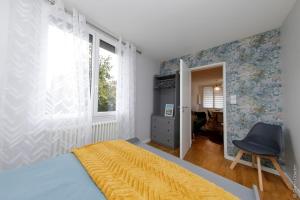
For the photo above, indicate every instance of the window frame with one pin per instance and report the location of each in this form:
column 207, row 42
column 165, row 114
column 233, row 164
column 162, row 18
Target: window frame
column 97, row 36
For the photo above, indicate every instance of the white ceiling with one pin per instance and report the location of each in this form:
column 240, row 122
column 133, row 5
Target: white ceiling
column 166, row 29
column 211, row 76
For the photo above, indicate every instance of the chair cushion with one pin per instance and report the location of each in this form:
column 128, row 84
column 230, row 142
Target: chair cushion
column 255, row 148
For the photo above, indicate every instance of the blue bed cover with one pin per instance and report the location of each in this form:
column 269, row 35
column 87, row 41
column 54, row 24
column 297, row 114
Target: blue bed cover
column 60, row 178
column 64, row 178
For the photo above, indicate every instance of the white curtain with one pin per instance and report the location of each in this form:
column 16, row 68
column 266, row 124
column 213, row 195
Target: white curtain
column 45, row 108
column 126, row 90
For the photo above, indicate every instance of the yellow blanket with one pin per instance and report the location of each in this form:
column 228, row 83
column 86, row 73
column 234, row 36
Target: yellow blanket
column 125, row 171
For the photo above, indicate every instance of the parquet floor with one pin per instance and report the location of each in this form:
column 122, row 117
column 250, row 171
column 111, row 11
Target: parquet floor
column 209, row 155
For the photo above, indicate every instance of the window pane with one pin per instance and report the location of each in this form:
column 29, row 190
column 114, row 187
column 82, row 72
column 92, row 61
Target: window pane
column 61, row 70
column 107, row 78
column 107, row 46
column 208, row 97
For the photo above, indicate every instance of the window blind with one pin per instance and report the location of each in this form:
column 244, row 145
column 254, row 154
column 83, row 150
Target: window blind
column 218, row 98
column 208, row 97
column 212, row 98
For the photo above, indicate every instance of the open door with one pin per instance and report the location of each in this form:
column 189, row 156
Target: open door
column 185, row 109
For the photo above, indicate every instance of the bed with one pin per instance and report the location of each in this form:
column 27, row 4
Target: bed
column 64, row 177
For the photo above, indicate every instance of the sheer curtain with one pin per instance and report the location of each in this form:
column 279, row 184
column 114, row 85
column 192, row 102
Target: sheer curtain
column 126, row 90
column 45, row 102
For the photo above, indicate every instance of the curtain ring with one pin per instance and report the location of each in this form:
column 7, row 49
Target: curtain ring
column 52, row 2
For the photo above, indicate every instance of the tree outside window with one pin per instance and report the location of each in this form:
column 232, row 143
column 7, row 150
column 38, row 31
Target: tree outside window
column 106, row 85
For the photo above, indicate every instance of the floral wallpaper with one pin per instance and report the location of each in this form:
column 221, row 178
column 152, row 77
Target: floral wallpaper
column 252, row 74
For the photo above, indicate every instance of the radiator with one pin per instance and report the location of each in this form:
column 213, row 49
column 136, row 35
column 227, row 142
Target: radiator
column 102, row 131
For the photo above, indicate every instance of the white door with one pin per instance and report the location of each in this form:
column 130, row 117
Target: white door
column 185, row 109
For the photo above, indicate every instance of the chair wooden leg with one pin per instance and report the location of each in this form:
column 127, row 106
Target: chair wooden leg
column 259, row 173
column 237, row 159
column 281, row 173
column 253, row 160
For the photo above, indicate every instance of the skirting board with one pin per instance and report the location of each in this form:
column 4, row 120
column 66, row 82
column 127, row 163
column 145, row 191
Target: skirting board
column 266, row 169
column 296, row 190
column 146, row 141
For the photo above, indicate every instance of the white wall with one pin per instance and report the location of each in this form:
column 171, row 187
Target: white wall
column 290, row 63
column 146, row 69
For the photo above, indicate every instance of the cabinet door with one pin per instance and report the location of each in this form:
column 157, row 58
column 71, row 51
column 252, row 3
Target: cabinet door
column 167, row 131
column 156, row 131
column 162, row 130
column 154, row 124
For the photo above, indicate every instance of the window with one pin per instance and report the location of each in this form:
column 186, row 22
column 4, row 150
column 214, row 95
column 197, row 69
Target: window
column 212, row 97
column 103, row 74
column 107, row 78
column 102, row 62
column 62, row 70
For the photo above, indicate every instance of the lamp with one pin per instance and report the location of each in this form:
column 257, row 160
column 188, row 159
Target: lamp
column 217, row 88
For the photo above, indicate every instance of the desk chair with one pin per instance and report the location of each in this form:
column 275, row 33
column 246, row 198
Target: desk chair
column 199, row 122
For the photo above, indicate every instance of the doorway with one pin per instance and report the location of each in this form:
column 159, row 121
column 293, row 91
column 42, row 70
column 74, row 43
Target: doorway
column 203, row 97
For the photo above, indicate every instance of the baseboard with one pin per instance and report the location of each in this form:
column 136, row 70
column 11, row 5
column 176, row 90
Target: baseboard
column 296, row 189
column 266, row 169
column 146, row 140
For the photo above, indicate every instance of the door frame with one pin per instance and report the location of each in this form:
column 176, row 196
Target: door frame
column 210, row 66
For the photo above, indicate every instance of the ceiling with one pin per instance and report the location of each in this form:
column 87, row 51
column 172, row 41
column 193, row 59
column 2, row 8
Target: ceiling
column 165, row 29
column 210, row 76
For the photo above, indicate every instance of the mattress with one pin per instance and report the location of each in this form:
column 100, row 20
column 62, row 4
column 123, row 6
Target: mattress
column 64, row 178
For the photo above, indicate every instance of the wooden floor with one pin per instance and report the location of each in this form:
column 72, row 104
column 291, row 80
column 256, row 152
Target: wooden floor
column 209, row 155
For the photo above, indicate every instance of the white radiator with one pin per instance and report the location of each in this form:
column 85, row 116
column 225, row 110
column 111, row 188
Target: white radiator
column 106, row 130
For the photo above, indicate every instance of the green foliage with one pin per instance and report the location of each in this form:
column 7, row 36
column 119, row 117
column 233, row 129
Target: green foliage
column 106, row 86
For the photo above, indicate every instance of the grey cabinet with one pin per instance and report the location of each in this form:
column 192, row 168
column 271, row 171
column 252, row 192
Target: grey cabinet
column 162, row 129
column 165, row 130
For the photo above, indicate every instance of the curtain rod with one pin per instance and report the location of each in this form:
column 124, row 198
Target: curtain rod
column 52, row 2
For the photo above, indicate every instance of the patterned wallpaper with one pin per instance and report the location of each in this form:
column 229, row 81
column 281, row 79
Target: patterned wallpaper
column 252, row 74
